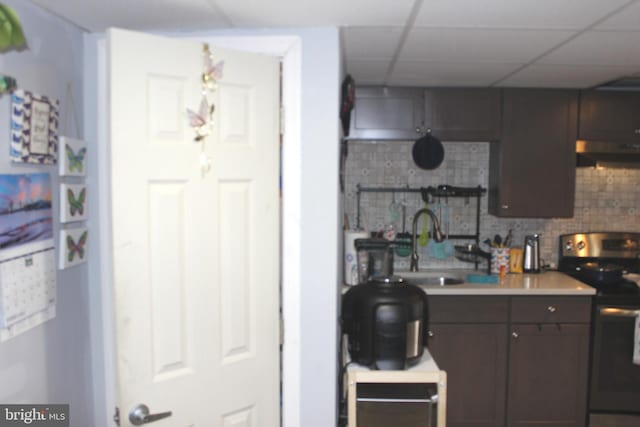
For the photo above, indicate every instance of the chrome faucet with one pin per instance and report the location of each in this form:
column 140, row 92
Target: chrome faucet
column 437, row 234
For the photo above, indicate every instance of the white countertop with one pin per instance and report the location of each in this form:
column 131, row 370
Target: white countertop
column 426, row 364
column 546, row 283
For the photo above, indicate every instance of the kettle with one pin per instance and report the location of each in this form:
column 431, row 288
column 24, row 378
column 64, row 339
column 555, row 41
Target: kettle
column 531, row 258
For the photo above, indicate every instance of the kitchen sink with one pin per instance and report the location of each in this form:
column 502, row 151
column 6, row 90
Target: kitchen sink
column 431, row 278
column 441, row 281
column 437, row 281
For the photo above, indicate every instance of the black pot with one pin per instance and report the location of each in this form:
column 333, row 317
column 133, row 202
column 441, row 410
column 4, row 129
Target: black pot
column 600, row 274
column 428, row 152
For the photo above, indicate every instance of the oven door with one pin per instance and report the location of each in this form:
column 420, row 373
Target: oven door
column 615, row 379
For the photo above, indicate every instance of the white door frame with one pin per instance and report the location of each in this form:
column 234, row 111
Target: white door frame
column 103, row 343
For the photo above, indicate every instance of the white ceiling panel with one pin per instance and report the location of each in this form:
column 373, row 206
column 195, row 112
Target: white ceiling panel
column 295, row 13
column 470, row 45
column 532, row 14
column 98, row 15
column 627, row 19
column 371, row 42
column 569, row 76
column 602, row 48
column 557, row 43
column 413, row 73
column 368, row 71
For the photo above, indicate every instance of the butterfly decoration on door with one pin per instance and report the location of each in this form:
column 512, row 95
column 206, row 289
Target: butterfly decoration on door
column 72, row 157
column 202, row 120
column 73, row 246
column 73, row 202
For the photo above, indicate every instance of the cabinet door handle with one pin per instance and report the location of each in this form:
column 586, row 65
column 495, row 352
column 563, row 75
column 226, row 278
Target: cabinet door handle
column 551, row 309
column 505, row 206
column 636, row 131
column 431, row 334
column 515, row 335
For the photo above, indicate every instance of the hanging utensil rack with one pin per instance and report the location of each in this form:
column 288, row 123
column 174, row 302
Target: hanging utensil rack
column 430, row 193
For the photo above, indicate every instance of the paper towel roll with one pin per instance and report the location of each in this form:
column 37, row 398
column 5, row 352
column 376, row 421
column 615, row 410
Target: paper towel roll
column 351, row 256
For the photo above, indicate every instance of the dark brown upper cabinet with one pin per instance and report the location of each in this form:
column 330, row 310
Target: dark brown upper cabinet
column 387, row 113
column 609, row 116
column 452, row 114
column 463, row 114
column 532, row 168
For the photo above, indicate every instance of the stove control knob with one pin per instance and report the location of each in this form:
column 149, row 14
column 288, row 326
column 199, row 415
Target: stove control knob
column 568, row 246
column 581, row 245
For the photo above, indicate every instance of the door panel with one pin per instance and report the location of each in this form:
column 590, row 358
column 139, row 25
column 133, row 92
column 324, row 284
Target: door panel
column 195, row 252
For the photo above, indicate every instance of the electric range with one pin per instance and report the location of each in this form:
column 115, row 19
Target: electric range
column 614, row 389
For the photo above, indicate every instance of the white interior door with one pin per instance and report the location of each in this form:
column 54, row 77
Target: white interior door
column 195, row 255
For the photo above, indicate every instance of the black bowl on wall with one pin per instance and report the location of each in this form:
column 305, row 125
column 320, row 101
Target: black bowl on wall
column 428, row 152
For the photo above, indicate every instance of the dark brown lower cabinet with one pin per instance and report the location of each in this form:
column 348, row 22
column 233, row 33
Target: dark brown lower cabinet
column 512, row 361
column 548, row 368
column 474, row 357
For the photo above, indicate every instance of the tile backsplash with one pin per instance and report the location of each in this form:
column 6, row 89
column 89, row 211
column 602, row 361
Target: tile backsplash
column 606, row 199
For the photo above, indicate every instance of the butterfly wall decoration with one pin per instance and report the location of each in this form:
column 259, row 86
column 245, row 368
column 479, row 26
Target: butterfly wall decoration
column 72, row 157
column 73, row 246
column 73, row 202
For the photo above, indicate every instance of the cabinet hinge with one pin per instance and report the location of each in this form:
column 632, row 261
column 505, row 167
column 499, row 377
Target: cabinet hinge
column 116, row 416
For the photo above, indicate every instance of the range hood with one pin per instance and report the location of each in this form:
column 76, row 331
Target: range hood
column 607, row 154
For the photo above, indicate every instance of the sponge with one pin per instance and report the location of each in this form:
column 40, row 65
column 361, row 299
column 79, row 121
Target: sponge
column 482, row 278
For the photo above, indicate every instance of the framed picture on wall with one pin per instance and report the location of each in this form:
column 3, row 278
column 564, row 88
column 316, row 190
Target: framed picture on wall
column 73, row 202
column 73, row 243
column 72, row 158
column 34, row 128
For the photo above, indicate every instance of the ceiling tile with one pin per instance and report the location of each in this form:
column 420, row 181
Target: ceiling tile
column 469, row 45
column 371, row 42
column 569, row 76
column 531, row 14
column 627, row 19
column 368, row 71
column 409, row 73
column 98, row 15
column 298, row 13
column 604, row 48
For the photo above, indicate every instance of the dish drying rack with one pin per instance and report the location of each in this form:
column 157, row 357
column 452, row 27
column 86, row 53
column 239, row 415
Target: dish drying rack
column 468, row 253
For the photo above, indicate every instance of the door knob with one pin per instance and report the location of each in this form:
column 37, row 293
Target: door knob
column 140, row 415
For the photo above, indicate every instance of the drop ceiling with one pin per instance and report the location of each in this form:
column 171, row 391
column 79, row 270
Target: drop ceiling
column 506, row 43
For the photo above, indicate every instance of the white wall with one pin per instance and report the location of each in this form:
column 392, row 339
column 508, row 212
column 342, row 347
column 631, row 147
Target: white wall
column 51, row 363
column 311, row 213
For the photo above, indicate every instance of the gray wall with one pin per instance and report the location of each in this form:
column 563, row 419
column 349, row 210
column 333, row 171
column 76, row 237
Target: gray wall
column 50, row 363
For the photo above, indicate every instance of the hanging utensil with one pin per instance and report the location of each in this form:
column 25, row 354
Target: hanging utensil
column 434, row 249
column 403, row 239
column 424, row 235
column 449, row 250
column 394, row 209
